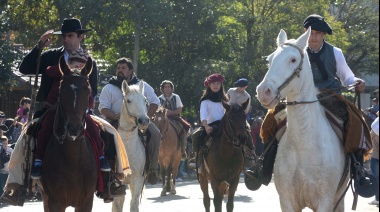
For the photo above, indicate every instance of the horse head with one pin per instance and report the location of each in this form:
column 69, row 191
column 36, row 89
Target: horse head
column 160, row 120
column 284, row 78
column 135, row 103
column 73, row 100
column 234, row 123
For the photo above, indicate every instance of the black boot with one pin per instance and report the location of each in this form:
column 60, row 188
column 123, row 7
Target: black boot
column 263, row 168
column 358, row 169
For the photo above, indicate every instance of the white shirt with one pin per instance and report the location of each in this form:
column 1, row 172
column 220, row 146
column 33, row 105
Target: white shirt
column 211, row 111
column 342, row 70
column 239, row 98
column 111, row 97
column 375, row 126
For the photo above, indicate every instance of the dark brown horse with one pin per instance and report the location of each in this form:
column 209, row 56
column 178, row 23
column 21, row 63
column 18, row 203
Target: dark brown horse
column 69, row 171
column 169, row 155
column 224, row 162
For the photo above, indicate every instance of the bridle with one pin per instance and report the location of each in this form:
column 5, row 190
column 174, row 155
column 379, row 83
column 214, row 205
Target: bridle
column 134, row 118
column 296, row 72
column 230, row 138
column 58, row 117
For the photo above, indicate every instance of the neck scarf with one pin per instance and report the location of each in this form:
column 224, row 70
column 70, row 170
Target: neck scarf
column 314, row 57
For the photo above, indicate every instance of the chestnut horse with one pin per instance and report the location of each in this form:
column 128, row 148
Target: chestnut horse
column 224, row 162
column 169, row 155
column 69, row 169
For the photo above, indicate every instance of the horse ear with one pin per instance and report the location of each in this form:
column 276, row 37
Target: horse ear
column 63, row 68
column 245, row 104
column 225, row 105
column 87, row 69
column 303, row 39
column 141, row 87
column 125, row 87
column 282, row 37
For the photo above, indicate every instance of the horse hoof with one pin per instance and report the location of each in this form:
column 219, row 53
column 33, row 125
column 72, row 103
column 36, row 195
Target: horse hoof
column 173, row 192
column 163, row 193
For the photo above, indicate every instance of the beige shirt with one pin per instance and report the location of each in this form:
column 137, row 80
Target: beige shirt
column 239, row 98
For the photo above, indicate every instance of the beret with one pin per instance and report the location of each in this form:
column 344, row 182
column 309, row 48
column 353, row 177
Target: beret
column 242, row 82
column 317, row 22
column 213, row 78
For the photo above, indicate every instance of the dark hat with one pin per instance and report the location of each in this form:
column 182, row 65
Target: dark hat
column 242, row 82
column 317, row 22
column 71, row 25
column 213, row 78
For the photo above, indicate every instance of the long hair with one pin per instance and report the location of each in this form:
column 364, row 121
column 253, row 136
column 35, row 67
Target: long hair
column 208, row 92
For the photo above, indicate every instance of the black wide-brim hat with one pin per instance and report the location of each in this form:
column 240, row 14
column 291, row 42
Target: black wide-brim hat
column 71, row 25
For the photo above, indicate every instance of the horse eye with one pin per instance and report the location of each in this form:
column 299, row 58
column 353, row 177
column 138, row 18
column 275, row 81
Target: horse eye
column 128, row 101
column 293, row 60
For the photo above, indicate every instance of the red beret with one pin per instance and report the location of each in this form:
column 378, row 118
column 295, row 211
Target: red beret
column 213, row 78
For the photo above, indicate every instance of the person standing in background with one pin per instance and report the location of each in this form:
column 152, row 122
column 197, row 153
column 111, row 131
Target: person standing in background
column 375, row 155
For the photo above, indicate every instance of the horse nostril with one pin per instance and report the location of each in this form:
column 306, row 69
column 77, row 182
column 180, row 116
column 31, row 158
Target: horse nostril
column 268, row 92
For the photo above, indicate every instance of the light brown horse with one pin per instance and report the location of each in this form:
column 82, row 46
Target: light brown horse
column 169, row 155
column 224, row 162
column 69, row 171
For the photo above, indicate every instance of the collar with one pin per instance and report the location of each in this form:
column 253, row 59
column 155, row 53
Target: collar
column 312, row 51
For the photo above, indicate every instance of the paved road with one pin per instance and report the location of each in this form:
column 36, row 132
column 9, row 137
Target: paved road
column 189, row 199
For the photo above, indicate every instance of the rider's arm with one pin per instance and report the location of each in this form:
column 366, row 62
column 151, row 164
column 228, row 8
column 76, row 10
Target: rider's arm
column 344, row 72
column 179, row 106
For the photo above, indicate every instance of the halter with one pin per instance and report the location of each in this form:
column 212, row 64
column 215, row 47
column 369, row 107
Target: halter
column 134, row 118
column 296, row 72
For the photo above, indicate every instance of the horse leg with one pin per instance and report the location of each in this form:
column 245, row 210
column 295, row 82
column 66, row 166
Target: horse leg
column 218, row 195
column 174, row 176
column 231, row 194
column 136, row 188
column 204, row 186
column 168, row 178
column 163, row 175
column 118, row 203
column 86, row 206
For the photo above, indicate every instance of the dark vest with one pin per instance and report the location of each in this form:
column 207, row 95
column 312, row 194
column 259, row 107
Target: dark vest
column 328, row 58
column 170, row 104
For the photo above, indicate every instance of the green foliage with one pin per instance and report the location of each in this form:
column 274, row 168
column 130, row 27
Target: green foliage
column 186, row 40
column 8, row 55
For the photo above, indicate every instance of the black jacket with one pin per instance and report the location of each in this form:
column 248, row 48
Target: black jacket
column 50, row 58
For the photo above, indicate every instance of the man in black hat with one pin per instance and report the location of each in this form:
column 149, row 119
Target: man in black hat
column 72, row 34
column 330, row 72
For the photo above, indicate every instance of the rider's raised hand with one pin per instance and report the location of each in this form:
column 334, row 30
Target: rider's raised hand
column 46, row 39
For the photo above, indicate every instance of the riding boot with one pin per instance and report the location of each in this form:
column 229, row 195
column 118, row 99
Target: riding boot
column 358, row 168
column 263, row 170
column 153, row 145
column 183, row 145
column 249, row 151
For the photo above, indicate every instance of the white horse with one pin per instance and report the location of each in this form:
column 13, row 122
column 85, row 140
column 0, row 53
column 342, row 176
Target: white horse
column 310, row 160
column 133, row 118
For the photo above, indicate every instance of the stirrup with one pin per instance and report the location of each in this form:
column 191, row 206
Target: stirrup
column 120, row 191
